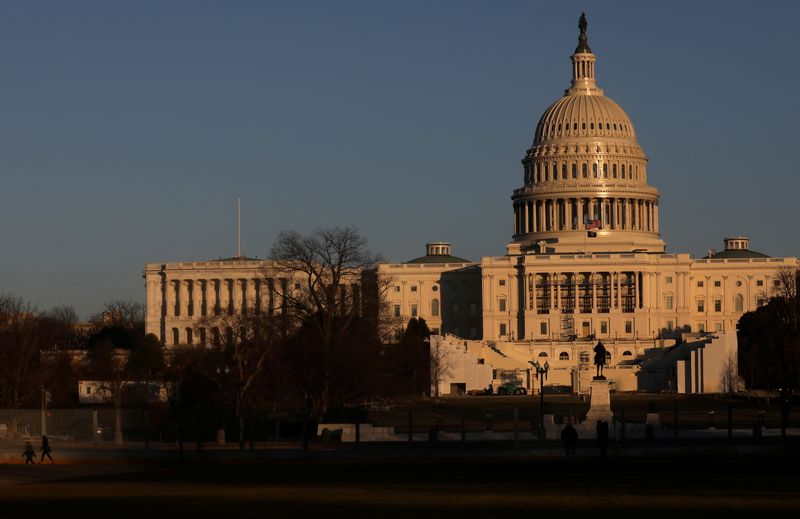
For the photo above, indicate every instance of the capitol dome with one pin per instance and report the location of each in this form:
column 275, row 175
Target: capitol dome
column 585, row 175
column 580, row 116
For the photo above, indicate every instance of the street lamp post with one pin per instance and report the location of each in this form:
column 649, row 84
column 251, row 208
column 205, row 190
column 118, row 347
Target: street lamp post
column 541, row 373
column 221, row 431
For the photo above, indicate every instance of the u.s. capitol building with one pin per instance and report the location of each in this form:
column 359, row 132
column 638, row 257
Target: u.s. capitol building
column 586, row 262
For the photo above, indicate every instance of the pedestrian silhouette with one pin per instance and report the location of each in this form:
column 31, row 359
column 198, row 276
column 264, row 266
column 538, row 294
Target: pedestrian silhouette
column 602, row 438
column 29, row 454
column 46, row 450
column 569, row 437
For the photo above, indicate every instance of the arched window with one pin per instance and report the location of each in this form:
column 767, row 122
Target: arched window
column 574, row 126
column 189, row 336
column 574, row 171
column 542, row 354
column 435, row 307
column 594, row 170
column 216, row 335
column 738, row 303
column 176, row 336
column 623, row 171
column 584, row 357
column 546, row 173
column 605, row 170
column 608, row 357
column 591, row 126
column 583, row 125
column 583, row 169
column 614, row 171
column 564, row 171
column 627, row 353
column 563, row 356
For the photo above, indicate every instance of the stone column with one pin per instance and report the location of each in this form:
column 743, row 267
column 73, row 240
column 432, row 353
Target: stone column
column 197, row 298
column 211, row 295
column 170, row 294
column 525, row 226
column 557, row 287
column 612, row 291
column 636, row 289
column 151, row 298
column 237, row 295
column 183, row 297
column 655, row 215
column 223, row 296
column 251, row 295
column 593, row 279
column 568, row 213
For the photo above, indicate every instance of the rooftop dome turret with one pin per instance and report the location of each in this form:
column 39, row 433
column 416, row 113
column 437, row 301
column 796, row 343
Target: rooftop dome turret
column 585, row 175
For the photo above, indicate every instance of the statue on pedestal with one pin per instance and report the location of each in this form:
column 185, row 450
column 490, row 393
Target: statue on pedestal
column 599, row 360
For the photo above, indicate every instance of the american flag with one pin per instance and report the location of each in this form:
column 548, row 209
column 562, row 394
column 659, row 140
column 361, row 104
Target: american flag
column 594, row 224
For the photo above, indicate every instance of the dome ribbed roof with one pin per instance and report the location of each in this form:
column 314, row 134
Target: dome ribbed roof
column 580, row 115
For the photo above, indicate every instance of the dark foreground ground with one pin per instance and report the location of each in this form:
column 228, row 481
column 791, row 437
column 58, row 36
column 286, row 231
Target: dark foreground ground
column 676, row 486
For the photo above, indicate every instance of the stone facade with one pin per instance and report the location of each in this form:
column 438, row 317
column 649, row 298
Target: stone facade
column 586, row 261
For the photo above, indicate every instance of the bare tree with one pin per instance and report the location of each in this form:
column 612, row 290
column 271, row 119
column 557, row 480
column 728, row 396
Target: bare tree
column 107, row 366
column 26, row 339
column 441, row 365
column 245, row 343
column 731, row 382
column 320, row 284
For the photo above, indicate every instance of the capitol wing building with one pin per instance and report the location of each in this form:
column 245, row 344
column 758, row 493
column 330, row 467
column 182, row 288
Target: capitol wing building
column 586, row 263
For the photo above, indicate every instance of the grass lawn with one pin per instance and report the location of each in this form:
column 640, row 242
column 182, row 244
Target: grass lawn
column 388, row 488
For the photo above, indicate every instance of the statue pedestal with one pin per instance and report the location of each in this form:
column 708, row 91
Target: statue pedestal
column 600, row 403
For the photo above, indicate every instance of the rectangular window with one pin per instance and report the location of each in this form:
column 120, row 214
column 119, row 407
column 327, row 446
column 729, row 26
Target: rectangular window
column 776, row 283
column 397, row 288
column 628, row 327
column 700, row 284
column 413, row 310
column 718, row 327
column 701, row 327
column 668, row 301
column 670, row 326
column 760, row 283
column 502, row 329
column 501, row 305
column 717, row 305
column 473, row 309
column 397, row 310
column 297, row 286
column 604, row 327
column 717, row 283
column 701, row 305
column 502, row 282
column 668, row 280
column 543, row 328
column 413, row 288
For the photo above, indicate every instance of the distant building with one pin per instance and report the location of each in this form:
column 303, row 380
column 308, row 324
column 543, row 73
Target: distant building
column 586, row 262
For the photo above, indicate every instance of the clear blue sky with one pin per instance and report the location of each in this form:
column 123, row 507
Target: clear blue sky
column 128, row 128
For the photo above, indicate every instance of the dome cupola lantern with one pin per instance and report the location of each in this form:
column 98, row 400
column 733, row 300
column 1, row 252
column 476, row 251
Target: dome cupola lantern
column 583, row 64
column 585, row 175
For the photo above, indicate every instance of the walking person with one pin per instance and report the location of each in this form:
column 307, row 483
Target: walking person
column 29, row 454
column 46, row 450
column 602, row 438
column 569, row 437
